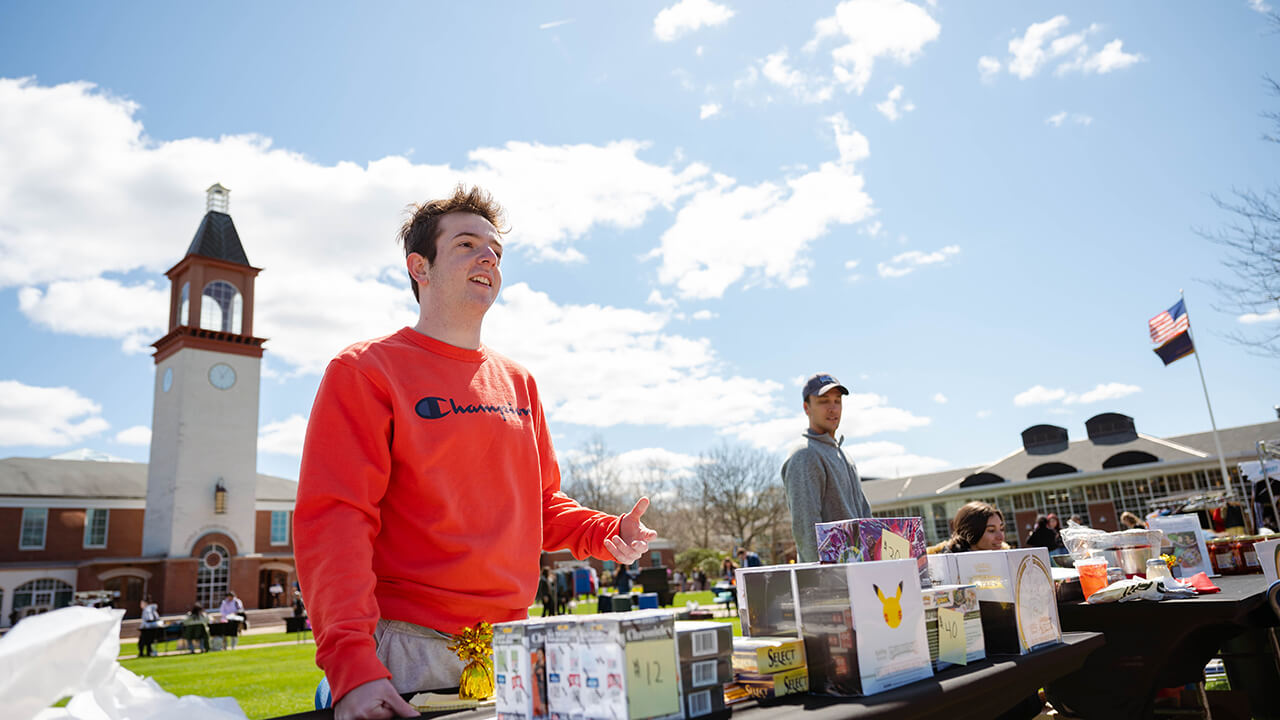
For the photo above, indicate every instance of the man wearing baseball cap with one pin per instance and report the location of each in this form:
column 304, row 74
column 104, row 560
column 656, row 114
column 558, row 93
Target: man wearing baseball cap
column 822, row 484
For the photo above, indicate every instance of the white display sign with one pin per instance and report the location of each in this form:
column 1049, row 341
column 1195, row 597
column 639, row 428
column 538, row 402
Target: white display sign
column 1269, row 555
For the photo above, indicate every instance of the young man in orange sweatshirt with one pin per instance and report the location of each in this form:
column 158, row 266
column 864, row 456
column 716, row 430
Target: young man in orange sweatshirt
column 429, row 486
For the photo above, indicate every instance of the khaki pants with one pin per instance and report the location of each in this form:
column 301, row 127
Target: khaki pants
column 418, row 657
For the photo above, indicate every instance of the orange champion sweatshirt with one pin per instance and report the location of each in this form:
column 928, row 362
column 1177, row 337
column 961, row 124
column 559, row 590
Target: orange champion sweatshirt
column 428, row 490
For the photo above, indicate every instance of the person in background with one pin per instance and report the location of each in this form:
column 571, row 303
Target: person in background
column 1079, row 521
column 622, row 581
column 976, row 526
column 1043, row 535
column 677, row 581
column 195, row 626
column 150, row 622
column 299, row 609
column 748, row 559
column 821, row 482
column 547, row 592
column 726, row 570
column 1131, row 521
column 700, row 580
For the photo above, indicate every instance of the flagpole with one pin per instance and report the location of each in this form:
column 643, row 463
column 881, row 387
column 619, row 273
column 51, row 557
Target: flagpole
column 1222, row 463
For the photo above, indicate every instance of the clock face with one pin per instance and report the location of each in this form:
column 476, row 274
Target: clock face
column 167, row 381
column 222, row 376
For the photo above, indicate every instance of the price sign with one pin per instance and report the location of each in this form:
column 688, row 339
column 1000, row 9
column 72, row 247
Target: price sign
column 893, row 546
column 652, row 678
column 951, row 640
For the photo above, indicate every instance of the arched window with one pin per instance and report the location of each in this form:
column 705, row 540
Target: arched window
column 220, row 307
column 43, row 595
column 1129, row 457
column 211, row 578
column 1050, row 468
column 981, row 478
column 184, row 305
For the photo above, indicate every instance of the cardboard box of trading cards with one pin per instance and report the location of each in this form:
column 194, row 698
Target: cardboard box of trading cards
column 520, row 669
column 564, row 668
column 959, row 634
column 766, row 599
column 863, row 626
column 630, row 666
column 767, row 667
column 1016, row 597
column 862, row 539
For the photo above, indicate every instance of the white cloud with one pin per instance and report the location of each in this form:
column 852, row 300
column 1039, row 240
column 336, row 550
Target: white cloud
column 1254, row 318
column 554, row 24
column 136, row 435
column 687, row 16
column 100, row 307
column 1107, row 391
column 283, row 437
column 988, row 67
column 728, row 233
column 1057, row 119
column 776, row 69
column 982, row 414
column 1259, row 6
column 850, row 264
column 704, row 315
column 890, row 107
column 873, row 30
column 1042, row 43
column 940, row 399
column 144, row 195
column 865, row 414
column 45, row 416
column 634, row 465
column 907, row 262
column 1041, row 395
column 1111, row 57
column 890, row 460
column 708, row 110
column 1038, row 395
column 603, row 366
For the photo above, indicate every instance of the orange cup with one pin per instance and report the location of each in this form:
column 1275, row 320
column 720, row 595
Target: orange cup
column 1093, row 575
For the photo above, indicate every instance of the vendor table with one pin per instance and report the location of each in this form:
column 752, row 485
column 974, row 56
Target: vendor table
column 1154, row 645
column 980, row 690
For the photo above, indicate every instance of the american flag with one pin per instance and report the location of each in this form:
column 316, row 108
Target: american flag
column 1169, row 323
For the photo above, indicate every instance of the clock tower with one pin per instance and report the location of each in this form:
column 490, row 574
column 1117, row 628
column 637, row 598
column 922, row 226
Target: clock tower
column 202, row 477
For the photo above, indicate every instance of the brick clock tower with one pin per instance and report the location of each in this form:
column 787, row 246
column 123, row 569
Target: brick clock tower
column 202, row 477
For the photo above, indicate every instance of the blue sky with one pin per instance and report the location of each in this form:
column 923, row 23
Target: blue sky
column 966, row 211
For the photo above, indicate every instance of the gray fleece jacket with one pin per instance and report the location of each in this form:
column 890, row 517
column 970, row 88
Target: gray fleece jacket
column 822, row 486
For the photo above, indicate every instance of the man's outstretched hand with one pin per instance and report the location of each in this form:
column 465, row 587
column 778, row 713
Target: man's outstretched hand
column 633, row 537
column 374, row 700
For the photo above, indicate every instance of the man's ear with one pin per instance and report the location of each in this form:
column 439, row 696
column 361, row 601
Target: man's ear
column 417, row 266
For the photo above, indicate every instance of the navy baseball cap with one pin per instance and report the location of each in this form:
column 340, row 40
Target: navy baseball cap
column 821, row 383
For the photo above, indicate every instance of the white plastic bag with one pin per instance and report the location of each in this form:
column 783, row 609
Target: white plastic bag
column 1139, row 589
column 73, row 652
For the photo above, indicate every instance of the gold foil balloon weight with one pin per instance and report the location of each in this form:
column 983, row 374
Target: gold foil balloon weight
column 474, row 647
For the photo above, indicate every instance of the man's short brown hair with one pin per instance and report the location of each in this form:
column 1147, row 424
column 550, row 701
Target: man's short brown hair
column 418, row 234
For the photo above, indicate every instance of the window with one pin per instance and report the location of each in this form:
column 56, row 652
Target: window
column 211, row 578
column 95, row 528
column 184, row 305
column 221, row 307
column 40, row 596
column 33, row 524
column 279, row 527
column 941, row 523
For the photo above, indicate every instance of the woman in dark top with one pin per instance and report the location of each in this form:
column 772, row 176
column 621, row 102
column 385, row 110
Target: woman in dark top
column 1043, row 536
column 976, row 526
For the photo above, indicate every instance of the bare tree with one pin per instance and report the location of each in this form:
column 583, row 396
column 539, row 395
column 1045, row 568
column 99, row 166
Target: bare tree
column 740, row 492
column 1252, row 240
column 593, row 478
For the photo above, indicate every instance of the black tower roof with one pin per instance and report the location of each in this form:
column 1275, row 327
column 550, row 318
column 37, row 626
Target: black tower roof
column 217, row 238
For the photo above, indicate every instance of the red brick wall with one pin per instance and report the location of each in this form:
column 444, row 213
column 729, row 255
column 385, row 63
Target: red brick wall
column 64, row 536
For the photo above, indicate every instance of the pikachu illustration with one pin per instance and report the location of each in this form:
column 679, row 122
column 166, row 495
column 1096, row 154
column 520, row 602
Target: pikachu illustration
column 892, row 606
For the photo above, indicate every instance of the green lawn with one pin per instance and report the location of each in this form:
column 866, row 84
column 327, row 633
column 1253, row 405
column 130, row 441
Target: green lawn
column 267, row 682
